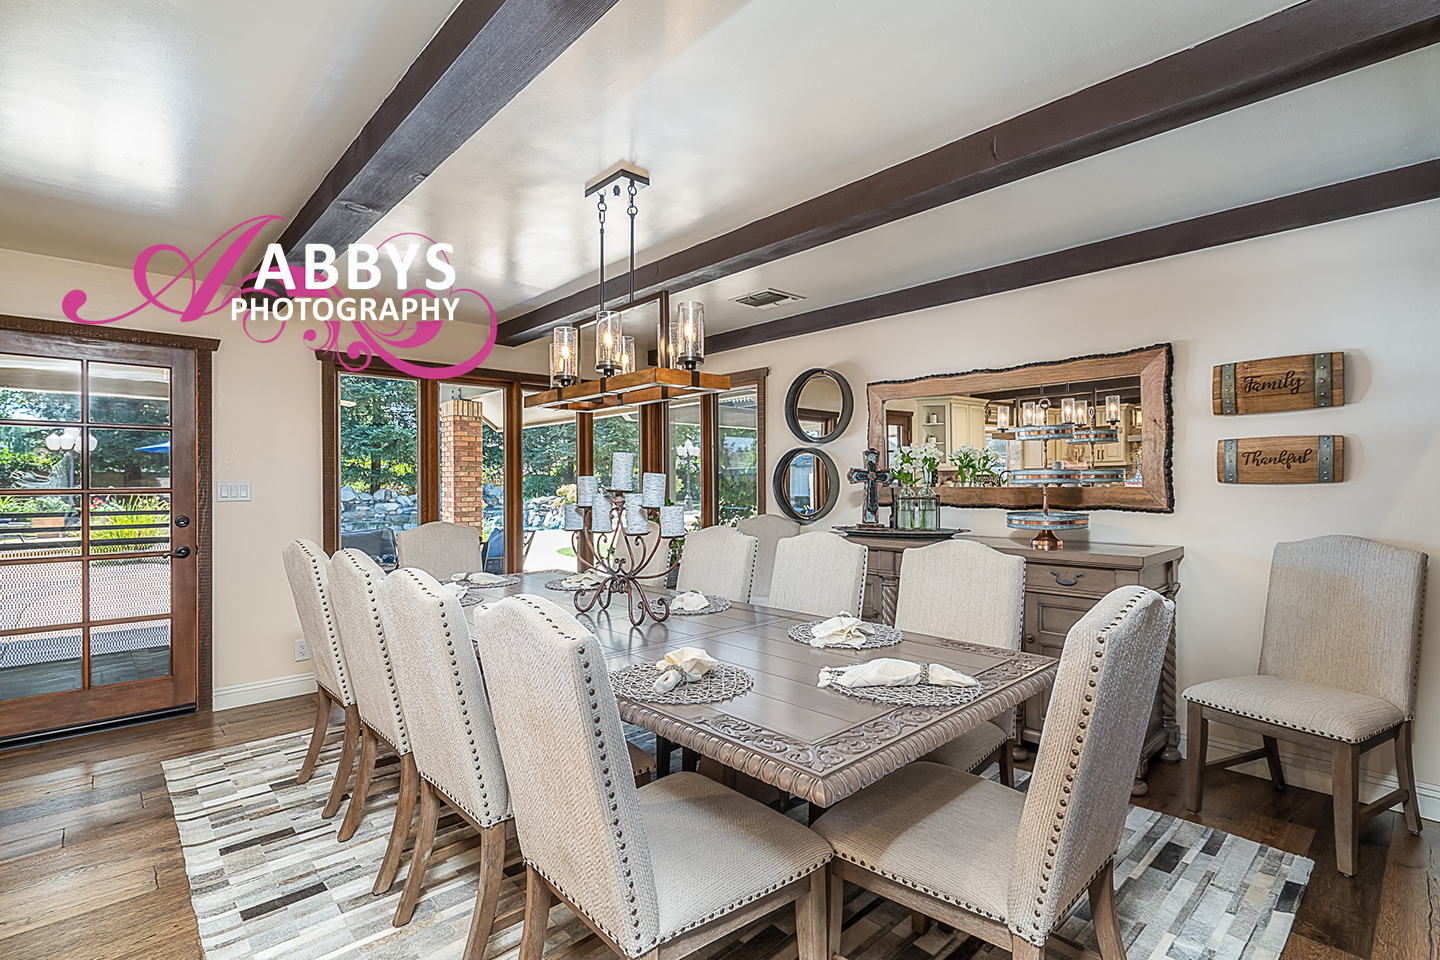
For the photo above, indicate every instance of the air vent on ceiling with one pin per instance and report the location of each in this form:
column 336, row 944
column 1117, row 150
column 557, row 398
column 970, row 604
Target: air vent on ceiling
column 767, row 298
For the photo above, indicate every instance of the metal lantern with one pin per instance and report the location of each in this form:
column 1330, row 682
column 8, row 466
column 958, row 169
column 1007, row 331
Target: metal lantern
column 689, row 334
column 627, row 354
column 608, row 343
column 1112, row 408
column 565, row 357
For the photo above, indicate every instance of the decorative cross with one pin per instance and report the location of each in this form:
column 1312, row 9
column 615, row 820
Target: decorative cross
column 871, row 476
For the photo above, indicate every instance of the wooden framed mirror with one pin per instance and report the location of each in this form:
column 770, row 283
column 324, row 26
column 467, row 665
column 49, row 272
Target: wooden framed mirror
column 963, row 410
column 806, row 484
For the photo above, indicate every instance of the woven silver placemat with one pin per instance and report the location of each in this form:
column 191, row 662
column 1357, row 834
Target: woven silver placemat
column 637, row 682
column 560, row 584
column 920, row 695
column 717, row 605
column 882, row 637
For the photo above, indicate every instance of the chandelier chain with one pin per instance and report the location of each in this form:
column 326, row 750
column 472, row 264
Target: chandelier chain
column 632, row 210
column 601, row 210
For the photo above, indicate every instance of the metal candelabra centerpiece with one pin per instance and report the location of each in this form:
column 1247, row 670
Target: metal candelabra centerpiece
column 617, row 547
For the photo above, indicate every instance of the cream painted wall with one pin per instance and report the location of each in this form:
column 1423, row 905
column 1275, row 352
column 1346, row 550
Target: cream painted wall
column 1368, row 286
column 266, row 428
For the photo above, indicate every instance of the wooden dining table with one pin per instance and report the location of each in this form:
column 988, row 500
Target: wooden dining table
column 813, row 742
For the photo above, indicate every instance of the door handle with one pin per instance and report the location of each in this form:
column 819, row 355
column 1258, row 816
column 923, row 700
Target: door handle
column 181, row 552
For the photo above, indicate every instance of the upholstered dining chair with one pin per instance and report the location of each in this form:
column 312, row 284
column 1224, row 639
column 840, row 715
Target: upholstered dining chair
column 820, row 574
column 451, row 732
column 354, row 588
column 441, row 549
column 719, row 561
column 308, row 570
column 658, row 871
column 963, row 590
column 1002, row 865
column 769, row 529
column 1338, row 662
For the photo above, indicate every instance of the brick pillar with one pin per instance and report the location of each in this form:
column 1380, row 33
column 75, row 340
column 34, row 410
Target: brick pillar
column 461, row 431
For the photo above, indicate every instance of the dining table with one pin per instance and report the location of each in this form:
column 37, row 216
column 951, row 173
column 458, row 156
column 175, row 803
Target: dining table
column 813, row 742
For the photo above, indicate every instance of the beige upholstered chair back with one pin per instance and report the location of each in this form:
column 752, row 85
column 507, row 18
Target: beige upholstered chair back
column 719, row 561
column 447, row 715
column 1080, row 791
column 576, row 811
column 819, row 574
column 769, row 529
column 308, row 570
column 962, row 590
column 440, row 549
column 355, row 592
column 660, row 562
column 1344, row 612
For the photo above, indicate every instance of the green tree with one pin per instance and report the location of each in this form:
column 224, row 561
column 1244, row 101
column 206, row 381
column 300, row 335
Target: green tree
column 549, row 458
column 379, row 428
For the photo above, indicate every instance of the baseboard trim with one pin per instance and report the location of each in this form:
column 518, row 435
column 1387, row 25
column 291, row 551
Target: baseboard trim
column 262, row 691
column 1306, row 768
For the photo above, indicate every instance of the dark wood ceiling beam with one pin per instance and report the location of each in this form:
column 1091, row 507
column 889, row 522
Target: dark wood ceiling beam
column 1351, row 198
column 1303, row 44
column 483, row 55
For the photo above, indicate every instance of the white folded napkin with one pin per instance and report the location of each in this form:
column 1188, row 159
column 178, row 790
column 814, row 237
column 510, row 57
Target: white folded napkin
column 456, row 590
column 887, row 672
column 840, row 631
column 687, row 663
column 690, row 600
column 587, row 579
column 482, row 577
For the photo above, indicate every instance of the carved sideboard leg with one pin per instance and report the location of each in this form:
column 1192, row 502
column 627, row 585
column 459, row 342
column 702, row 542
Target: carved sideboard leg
column 889, row 595
column 1140, row 788
column 1018, row 753
column 1171, row 751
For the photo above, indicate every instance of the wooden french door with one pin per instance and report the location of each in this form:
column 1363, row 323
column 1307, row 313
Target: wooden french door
column 99, row 583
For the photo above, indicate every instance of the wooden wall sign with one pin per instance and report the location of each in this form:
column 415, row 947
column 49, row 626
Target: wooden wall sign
column 1280, row 383
column 1281, row 460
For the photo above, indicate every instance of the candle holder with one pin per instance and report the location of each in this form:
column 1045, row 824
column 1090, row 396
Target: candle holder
column 610, row 532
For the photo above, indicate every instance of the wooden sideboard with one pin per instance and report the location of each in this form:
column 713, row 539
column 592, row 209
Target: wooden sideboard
column 1060, row 587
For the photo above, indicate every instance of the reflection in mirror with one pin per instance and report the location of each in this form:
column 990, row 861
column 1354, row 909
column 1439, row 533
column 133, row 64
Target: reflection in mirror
column 806, row 484
column 819, row 405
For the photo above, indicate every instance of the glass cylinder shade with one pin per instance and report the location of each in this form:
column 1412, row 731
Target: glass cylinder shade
column 627, row 354
column 1112, row 408
column 608, row 345
column 1002, row 417
column 1082, row 413
column 690, row 333
column 565, row 356
column 1067, row 410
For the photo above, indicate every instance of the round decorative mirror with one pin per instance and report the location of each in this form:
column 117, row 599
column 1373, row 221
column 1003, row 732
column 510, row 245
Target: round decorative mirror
column 819, row 405
column 806, row 484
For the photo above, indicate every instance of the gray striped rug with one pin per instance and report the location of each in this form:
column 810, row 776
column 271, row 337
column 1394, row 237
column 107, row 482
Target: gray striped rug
column 269, row 880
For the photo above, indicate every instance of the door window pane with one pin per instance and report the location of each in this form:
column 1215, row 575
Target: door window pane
column 615, row 433
column 129, row 523
column 39, row 594
column 739, row 455
column 39, row 388
column 548, row 481
column 379, row 462
column 126, row 393
column 129, row 588
column 683, row 459
column 126, row 652
column 472, row 464
column 129, row 458
column 39, row 457
column 36, row 663
column 43, row 526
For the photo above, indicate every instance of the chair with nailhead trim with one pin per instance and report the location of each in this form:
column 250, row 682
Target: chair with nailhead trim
column 447, row 718
column 769, row 529
column 1339, row 660
column 661, row 870
column 308, row 570
column 820, row 574
column 1002, row 865
column 719, row 561
column 441, row 549
column 355, row 592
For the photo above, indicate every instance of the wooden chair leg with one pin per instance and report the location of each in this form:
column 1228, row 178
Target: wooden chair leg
column 1272, row 757
column 347, row 760
column 400, row 831
column 492, row 874
column 1345, row 762
column 420, row 858
column 1197, row 733
column 1405, row 769
column 919, row 923
column 1007, row 763
column 317, row 736
column 366, row 769
column 811, row 928
column 537, row 915
column 1023, row 949
column 836, row 912
column 1102, row 911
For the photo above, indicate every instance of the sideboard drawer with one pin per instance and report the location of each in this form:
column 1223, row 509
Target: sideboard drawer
column 1054, row 576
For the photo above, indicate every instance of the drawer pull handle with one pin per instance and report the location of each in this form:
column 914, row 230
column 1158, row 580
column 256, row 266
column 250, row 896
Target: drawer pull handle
column 1066, row 583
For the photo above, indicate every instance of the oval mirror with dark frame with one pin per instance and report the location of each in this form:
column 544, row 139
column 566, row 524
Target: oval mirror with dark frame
column 819, row 405
column 806, row 484
column 1122, row 462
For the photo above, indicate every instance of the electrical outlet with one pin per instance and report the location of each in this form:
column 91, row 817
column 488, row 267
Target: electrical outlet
column 232, row 490
column 302, row 652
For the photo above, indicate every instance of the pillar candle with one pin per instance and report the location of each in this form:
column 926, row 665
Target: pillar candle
column 672, row 521
column 635, row 521
column 574, row 519
column 585, row 488
column 622, row 472
column 653, row 490
column 601, row 520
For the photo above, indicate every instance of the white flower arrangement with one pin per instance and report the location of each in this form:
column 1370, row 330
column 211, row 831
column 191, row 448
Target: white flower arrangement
column 917, row 463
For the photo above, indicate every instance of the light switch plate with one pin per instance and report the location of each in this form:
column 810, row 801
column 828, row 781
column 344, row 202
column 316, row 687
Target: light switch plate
column 232, row 490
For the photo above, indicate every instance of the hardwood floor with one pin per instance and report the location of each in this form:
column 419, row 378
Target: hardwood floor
column 91, row 868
